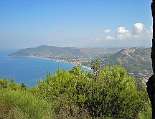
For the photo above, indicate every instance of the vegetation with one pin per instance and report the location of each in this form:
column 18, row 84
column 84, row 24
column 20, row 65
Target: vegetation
column 105, row 93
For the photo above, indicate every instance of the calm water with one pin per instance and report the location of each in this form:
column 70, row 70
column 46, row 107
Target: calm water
column 27, row 70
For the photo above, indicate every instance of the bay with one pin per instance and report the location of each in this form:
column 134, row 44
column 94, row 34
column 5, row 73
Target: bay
column 28, row 70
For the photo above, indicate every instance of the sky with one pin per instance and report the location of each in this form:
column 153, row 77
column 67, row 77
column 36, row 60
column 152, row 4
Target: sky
column 75, row 23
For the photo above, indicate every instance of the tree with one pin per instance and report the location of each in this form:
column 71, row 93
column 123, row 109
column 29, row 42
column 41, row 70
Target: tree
column 96, row 66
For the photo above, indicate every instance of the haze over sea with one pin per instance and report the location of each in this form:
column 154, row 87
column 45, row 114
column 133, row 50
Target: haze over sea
column 28, row 70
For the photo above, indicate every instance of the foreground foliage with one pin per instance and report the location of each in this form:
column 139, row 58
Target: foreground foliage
column 18, row 103
column 107, row 93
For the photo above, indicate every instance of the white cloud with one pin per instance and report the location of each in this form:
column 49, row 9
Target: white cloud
column 107, row 30
column 122, row 30
column 138, row 28
column 122, row 33
column 138, row 36
column 151, row 29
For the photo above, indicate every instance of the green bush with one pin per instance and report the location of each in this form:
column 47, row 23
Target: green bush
column 113, row 94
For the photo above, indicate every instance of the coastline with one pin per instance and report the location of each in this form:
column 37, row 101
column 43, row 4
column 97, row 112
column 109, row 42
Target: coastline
column 46, row 58
column 57, row 60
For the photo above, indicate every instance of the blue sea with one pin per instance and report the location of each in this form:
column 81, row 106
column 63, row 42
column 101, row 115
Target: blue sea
column 28, row 70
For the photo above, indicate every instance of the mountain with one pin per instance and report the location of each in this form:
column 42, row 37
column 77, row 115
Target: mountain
column 47, row 51
column 64, row 52
column 134, row 59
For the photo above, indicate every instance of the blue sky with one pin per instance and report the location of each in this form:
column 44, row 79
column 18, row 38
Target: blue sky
column 78, row 23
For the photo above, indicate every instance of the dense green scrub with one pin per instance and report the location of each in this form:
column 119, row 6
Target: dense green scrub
column 107, row 93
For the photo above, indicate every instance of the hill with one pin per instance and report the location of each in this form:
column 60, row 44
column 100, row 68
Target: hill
column 133, row 57
column 135, row 60
column 64, row 52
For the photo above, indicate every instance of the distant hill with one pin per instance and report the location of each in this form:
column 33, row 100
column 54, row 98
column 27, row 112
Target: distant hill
column 47, row 51
column 63, row 52
column 134, row 59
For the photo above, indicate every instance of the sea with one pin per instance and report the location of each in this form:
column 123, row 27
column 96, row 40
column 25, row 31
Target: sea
column 28, row 70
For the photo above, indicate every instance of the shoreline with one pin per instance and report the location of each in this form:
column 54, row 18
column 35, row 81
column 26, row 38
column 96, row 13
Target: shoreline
column 50, row 59
column 57, row 60
column 46, row 58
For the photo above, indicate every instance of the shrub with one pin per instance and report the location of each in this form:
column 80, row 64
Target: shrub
column 113, row 94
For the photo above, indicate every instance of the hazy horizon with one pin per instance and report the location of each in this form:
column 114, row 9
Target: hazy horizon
column 16, row 49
